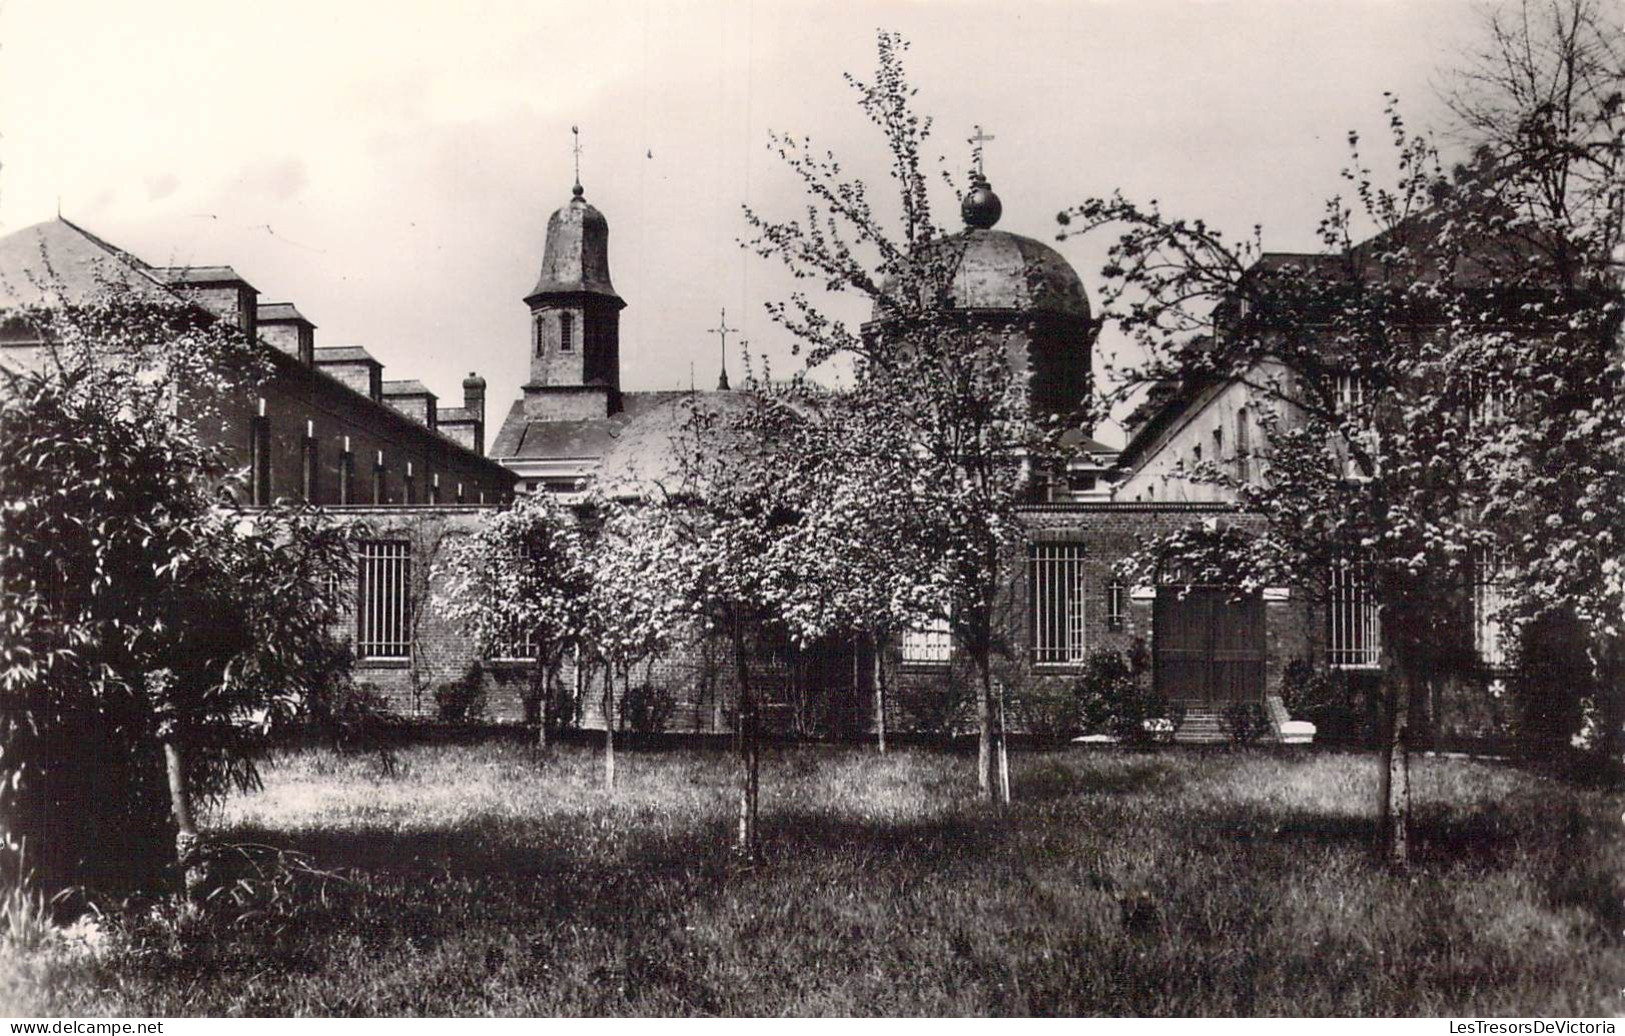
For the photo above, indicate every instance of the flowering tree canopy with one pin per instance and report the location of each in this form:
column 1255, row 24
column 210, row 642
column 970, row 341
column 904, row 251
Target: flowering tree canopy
column 140, row 617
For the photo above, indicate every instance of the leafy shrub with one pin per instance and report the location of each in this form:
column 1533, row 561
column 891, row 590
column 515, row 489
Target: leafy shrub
column 1341, row 704
column 1305, row 687
column 936, row 707
column 463, row 699
column 139, row 615
column 1042, row 709
column 1244, row 721
column 647, row 708
column 1114, row 693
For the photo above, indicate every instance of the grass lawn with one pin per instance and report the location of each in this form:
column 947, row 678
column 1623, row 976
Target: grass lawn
column 1175, row 883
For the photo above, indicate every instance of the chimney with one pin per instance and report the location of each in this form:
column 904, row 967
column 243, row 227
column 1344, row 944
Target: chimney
column 474, row 396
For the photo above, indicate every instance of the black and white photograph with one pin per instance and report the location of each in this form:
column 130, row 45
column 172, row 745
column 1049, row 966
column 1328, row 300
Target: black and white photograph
column 777, row 508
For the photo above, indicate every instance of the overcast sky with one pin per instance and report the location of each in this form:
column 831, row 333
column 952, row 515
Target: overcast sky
column 390, row 167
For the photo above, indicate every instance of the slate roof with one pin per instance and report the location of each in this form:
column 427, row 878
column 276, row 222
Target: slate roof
column 451, row 414
column 279, row 311
column 344, row 354
column 198, row 275
column 80, row 267
column 406, row 387
column 522, row 438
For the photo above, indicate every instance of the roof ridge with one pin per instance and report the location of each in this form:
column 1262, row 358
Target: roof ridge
column 130, row 259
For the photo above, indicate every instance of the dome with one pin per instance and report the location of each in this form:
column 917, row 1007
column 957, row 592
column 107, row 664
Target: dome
column 473, row 381
column 1001, row 272
column 576, row 258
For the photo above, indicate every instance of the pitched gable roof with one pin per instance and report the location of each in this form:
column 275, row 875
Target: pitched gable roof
column 56, row 261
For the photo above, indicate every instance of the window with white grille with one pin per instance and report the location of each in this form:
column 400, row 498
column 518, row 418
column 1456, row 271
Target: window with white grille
column 1244, row 469
column 1055, row 595
column 1353, row 637
column 516, row 649
column 1350, row 392
column 1116, row 603
column 384, row 599
column 1490, row 598
column 930, row 643
column 1489, row 405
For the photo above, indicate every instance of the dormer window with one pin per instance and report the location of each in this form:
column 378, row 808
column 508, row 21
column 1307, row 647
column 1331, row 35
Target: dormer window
column 566, row 334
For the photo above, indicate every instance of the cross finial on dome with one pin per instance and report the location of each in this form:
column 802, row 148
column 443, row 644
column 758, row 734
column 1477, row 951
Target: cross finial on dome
column 976, row 140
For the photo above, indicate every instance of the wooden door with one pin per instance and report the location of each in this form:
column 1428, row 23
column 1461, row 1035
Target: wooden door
column 1208, row 647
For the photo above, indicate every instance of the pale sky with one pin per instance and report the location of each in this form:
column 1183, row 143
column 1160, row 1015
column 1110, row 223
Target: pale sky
column 389, row 167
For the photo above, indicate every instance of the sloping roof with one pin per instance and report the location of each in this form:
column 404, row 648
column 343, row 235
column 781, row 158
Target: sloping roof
column 406, row 387
column 56, row 261
column 198, row 275
column 270, row 311
column 344, row 354
column 523, row 438
column 454, row 414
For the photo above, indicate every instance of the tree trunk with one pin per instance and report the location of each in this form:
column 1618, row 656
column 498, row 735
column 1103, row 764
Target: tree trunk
column 880, row 694
column 1610, row 652
column 580, row 689
column 609, row 727
column 1004, row 752
column 1395, row 785
column 193, row 876
column 984, row 725
column 538, row 679
column 749, row 842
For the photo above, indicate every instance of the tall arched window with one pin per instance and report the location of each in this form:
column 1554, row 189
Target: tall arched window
column 566, row 334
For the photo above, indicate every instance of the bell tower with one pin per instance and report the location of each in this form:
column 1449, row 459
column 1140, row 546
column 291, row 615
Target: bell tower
column 575, row 361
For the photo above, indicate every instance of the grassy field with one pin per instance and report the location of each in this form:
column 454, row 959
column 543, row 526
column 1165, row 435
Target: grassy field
column 477, row 881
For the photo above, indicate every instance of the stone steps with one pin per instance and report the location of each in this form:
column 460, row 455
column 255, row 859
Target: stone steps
column 1201, row 726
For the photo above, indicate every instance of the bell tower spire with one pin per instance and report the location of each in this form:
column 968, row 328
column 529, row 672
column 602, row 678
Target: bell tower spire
column 575, row 363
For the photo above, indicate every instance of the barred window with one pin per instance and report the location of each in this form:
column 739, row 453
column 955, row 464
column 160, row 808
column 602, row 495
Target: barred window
column 1055, row 595
column 1490, row 597
column 384, row 600
column 931, row 643
column 566, row 333
column 1353, row 636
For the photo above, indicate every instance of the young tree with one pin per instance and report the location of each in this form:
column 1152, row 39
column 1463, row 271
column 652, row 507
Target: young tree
column 632, row 608
column 920, row 367
column 851, row 557
column 1541, row 101
column 1347, row 357
column 523, row 579
column 152, row 636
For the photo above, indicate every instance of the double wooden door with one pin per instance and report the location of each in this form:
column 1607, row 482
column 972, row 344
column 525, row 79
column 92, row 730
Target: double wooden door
column 1208, row 646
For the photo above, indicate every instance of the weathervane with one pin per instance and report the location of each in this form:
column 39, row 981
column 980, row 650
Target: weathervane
column 721, row 331
column 976, row 141
column 575, row 148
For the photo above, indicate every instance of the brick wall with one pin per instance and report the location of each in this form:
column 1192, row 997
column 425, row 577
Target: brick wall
column 829, row 691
